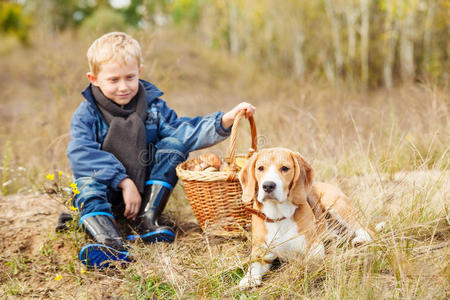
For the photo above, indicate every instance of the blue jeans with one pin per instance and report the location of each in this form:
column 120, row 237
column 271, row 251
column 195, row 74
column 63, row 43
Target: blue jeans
column 97, row 197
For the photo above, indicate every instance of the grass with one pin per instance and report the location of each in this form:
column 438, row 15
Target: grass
column 387, row 149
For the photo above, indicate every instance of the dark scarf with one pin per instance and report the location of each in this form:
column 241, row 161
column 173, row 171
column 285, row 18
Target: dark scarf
column 126, row 137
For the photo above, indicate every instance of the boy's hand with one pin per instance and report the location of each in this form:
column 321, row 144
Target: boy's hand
column 131, row 197
column 228, row 118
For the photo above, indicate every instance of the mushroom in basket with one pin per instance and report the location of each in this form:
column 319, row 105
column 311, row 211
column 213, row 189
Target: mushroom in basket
column 208, row 162
column 240, row 162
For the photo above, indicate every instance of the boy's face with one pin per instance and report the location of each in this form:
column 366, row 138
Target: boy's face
column 118, row 81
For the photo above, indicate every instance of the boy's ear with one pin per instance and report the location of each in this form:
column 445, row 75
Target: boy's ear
column 92, row 78
column 141, row 66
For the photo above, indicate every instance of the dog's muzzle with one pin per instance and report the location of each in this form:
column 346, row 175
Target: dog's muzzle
column 269, row 186
column 268, row 191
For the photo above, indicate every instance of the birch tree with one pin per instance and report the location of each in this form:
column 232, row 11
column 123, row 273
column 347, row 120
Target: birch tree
column 352, row 13
column 335, row 32
column 428, row 27
column 407, row 14
column 292, row 26
column 364, row 48
column 390, row 40
column 359, row 41
column 233, row 27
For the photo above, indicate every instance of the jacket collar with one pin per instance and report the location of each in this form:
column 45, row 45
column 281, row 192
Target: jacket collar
column 151, row 91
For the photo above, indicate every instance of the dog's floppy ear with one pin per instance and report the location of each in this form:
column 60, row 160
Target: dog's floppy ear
column 248, row 180
column 303, row 177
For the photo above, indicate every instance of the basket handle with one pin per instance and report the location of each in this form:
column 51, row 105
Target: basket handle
column 231, row 159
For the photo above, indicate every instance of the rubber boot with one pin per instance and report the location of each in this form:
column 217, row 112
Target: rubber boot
column 63, row 222
column 153, row 203
column 109, row 246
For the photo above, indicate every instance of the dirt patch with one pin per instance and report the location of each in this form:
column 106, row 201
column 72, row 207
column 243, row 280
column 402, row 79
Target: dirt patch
column 26, row 221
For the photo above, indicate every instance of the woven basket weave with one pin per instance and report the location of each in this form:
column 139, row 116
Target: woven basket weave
column 216, row 197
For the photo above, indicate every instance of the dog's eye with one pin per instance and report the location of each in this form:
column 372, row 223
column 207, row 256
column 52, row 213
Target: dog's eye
column 261, row 168
column 284, row 169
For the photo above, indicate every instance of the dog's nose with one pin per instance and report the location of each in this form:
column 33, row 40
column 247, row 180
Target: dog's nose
column 269, row 186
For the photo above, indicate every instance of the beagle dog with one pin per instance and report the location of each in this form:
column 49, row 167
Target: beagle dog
column 290, row 212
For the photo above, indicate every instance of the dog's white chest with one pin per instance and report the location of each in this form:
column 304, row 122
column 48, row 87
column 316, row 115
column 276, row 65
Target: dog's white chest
column 283, row 237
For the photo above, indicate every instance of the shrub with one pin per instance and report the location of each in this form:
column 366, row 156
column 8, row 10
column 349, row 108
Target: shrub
column 103, row 20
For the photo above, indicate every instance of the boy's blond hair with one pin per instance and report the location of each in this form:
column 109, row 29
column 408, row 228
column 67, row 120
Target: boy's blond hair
column 117, row 46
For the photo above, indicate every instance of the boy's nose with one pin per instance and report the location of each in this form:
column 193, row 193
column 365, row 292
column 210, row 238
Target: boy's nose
column 122, row 85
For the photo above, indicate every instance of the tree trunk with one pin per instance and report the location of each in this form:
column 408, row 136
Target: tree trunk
column 335, row 32
column 407, row 66
column 299, row 62
column 364, row 48
column 351, row 15
column 233, row 34
column 427, row 35
column 391, row 32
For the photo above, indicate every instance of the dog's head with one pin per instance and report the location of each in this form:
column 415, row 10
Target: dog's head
column 276, row 174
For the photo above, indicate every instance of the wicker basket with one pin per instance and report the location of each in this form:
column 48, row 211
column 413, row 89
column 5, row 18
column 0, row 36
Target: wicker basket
column 216, row 197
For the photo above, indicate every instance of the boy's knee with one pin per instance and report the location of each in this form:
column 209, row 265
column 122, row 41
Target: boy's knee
column 92, row 196
column 170, row 143
column 172, row 149
column 87, row 186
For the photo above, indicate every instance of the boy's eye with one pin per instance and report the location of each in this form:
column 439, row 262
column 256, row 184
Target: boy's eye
column 130, row 76
column 113, row 79
column 261, row 168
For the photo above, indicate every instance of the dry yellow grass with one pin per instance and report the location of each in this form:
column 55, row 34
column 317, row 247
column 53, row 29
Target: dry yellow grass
column 387, row 149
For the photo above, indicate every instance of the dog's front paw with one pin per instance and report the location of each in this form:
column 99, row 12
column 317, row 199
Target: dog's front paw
column 250, row 281
column 361, row 237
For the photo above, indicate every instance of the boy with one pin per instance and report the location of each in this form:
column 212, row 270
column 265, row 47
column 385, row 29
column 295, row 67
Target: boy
column 125, row 145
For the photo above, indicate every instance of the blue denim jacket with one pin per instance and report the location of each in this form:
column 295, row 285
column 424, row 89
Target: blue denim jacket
column 88, row 130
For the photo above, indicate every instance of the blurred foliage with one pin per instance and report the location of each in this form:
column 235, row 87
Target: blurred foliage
column 13, row 20
column 133, row 14
column 103, row 20
column 63, row 12
column 360, row 42
column 187, row 11
column 72, row 13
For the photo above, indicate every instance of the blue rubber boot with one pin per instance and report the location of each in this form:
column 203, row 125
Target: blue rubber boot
column 109, row 246
column 155, row 198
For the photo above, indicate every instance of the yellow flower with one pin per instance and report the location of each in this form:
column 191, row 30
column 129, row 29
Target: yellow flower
column 58, row 277
column 50, row 176
column 60, row 173
column 73, row 208
column 83, row 270
column 82, row 204
column 74, row 187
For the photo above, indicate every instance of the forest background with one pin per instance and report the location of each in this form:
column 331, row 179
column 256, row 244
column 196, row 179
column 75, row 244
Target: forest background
column 359, row 87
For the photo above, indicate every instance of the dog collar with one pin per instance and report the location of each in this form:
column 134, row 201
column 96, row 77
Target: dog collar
column 262, row 215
